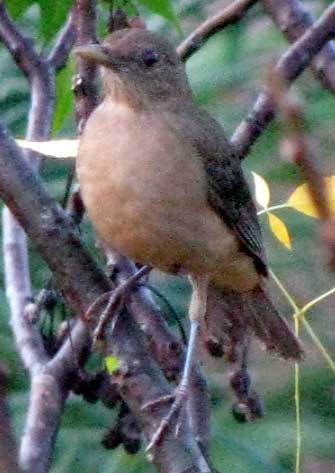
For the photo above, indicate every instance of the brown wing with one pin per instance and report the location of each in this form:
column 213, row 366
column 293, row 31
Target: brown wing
column 228, row 191
column 229, row 195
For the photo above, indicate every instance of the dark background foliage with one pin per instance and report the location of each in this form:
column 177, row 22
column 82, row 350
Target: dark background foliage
column 225, row 76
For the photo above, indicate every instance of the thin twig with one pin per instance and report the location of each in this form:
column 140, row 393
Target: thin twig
column 289, row 67
column 21, row 48
column 231, row 14
column 65, row 41
column 293, row 19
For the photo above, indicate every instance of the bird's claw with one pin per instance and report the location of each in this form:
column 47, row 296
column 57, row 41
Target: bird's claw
column 178, row 398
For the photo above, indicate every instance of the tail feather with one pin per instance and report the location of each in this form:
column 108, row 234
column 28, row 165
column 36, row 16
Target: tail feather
column 231, row 315
column 270, row 327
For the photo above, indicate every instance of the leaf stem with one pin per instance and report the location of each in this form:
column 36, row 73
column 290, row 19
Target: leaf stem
column 299, row 318
column 318, row 299
column 318, row 343
column 284, row 291
column 297, row 406
column 273, row 207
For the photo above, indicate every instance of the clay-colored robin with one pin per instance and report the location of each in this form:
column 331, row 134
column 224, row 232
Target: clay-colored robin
column 162, row 185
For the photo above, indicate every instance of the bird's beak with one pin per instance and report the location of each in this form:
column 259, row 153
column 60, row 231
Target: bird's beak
column 95, row 53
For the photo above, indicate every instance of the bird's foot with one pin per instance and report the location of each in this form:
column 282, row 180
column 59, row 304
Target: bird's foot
column 115, row 302
column 178, row 399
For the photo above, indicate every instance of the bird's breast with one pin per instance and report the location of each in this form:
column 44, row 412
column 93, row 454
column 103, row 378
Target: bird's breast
column 146, row 193
column 137, row 179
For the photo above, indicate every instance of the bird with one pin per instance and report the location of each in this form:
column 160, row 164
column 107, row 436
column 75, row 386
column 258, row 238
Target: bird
column 163, row 185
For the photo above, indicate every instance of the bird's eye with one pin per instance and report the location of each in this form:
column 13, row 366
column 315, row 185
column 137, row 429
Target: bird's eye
column 150, row 57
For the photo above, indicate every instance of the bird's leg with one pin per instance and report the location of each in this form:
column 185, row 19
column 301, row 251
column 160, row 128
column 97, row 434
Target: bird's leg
column 197, row 312
column 116, row 298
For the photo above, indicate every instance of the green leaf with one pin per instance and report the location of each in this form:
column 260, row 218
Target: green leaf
column 53, row 16
column 65, row 98
column 18, row 7
column 112, row 364
column 163, row 8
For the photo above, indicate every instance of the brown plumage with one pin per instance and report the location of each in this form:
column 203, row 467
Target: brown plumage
column 162, row 185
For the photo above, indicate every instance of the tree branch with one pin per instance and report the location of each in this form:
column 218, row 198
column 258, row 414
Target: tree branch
column 47, row 396
column 15, row 245
column 27, row 336
column 289, row 67
column 167, row 349
column 54, row 235
column 21, row 48
column 293, row 20
column 231, row 14
column 87, row 74
column 65, row 41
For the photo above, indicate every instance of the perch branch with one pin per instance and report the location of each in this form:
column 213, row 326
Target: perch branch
column 166, row 348
column 53, row 232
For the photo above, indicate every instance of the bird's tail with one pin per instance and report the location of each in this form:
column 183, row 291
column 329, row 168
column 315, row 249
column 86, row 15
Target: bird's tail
column 231, row 316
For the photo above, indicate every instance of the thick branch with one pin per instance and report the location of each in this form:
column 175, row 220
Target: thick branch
column 293, row 20
column 289, row 67
column 86, row 85
column 231, row 14
column 168, row 350
column 57, row 240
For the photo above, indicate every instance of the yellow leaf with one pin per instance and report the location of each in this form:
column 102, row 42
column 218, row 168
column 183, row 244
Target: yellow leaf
column 112, row 364
column 280, row 230
column 54, row 148
column 262, row 191
column 301, row 200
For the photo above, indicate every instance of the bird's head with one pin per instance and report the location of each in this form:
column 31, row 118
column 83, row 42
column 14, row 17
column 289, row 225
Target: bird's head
column 139, row 66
